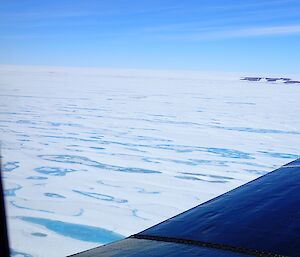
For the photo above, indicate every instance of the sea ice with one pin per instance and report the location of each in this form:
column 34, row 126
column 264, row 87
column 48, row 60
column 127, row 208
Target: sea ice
column 93, row 155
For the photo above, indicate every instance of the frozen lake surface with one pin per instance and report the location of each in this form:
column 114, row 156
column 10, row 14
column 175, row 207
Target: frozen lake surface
column 93, row 155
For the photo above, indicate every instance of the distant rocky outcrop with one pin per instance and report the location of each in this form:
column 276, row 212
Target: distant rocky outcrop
column 274, row 80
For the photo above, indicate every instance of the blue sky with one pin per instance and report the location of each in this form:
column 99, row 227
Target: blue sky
column 217, row 35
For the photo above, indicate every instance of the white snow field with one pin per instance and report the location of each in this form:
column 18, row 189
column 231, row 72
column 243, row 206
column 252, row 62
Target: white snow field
column 93, row 155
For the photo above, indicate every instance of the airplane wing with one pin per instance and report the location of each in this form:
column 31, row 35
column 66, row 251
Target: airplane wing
column 260, row 218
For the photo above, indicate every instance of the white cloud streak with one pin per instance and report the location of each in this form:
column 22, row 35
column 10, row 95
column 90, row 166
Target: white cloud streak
column 239, row 33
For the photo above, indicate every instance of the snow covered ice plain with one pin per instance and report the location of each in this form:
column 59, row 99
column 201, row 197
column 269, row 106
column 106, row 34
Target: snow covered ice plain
column 93, row 155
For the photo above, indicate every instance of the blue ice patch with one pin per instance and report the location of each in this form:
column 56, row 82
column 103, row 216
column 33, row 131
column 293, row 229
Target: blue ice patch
column 54, row 171
column 10, row 166
column 53, row 195
column 76, row 231
column 280, row 155
column 258, row 130
column 207, row 175
column 74, row 159
column 38, row 234
column 11, row 191
column 28, row 208
column 200, row 179
column 101, row 196
column 223, row 152
column 37, row 177
column 143, row 191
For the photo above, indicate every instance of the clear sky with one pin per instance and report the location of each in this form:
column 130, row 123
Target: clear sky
column 216, row 35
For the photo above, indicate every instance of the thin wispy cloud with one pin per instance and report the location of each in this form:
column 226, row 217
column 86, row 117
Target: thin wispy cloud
column 267, row 31
column 240, row 33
